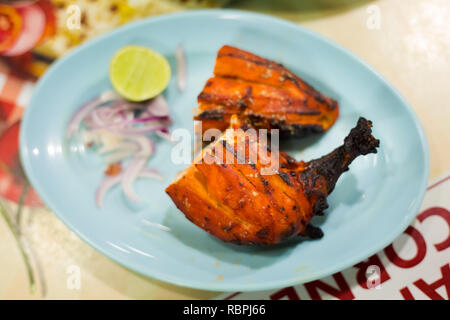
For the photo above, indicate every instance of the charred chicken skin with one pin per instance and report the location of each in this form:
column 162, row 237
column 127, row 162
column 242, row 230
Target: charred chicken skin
column 263, row 93
column 237, row 203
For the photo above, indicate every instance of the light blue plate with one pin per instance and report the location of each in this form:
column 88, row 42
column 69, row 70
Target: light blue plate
column 371, row 205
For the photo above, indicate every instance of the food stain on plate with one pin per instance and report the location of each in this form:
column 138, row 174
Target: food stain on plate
column 301, row 268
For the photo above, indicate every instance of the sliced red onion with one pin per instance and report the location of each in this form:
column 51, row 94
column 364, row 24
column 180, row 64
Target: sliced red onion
column 81, row 113
column 104, row 187
column 146, row 145
column 150, row 127
column 124, row 151
column 127, row 122
column 74, row 123
column 96, row 118
column 181, row 68
column 115, row 116
column 110, row 182
column 118, row 127
column 130, row 174
column 110, row 95
column 165, row 134
column 119, row 107
column 158, row 106
column 150, row 118
column 136, row 165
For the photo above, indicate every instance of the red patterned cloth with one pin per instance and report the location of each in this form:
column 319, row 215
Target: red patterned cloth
column 15, row 92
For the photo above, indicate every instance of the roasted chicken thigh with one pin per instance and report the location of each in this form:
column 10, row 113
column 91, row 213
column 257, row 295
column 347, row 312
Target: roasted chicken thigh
column 264, row 93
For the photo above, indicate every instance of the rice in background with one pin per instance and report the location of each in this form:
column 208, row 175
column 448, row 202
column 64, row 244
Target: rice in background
column 100, row 16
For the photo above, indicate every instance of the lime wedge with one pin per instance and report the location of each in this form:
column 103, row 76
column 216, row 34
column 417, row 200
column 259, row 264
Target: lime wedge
column 138, row 73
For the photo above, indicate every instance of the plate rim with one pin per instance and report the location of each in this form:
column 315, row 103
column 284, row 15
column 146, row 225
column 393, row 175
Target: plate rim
column 223, row 286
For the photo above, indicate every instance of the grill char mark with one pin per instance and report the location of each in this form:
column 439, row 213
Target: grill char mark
column 286, row 75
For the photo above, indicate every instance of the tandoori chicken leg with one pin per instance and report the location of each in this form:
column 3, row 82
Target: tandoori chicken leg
column 237, row 203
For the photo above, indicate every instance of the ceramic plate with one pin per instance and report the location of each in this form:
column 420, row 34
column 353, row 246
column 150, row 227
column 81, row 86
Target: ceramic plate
column 371, row 205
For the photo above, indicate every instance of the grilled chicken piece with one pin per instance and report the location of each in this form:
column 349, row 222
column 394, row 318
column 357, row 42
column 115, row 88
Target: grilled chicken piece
column 264, row 93
column 237, row 203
